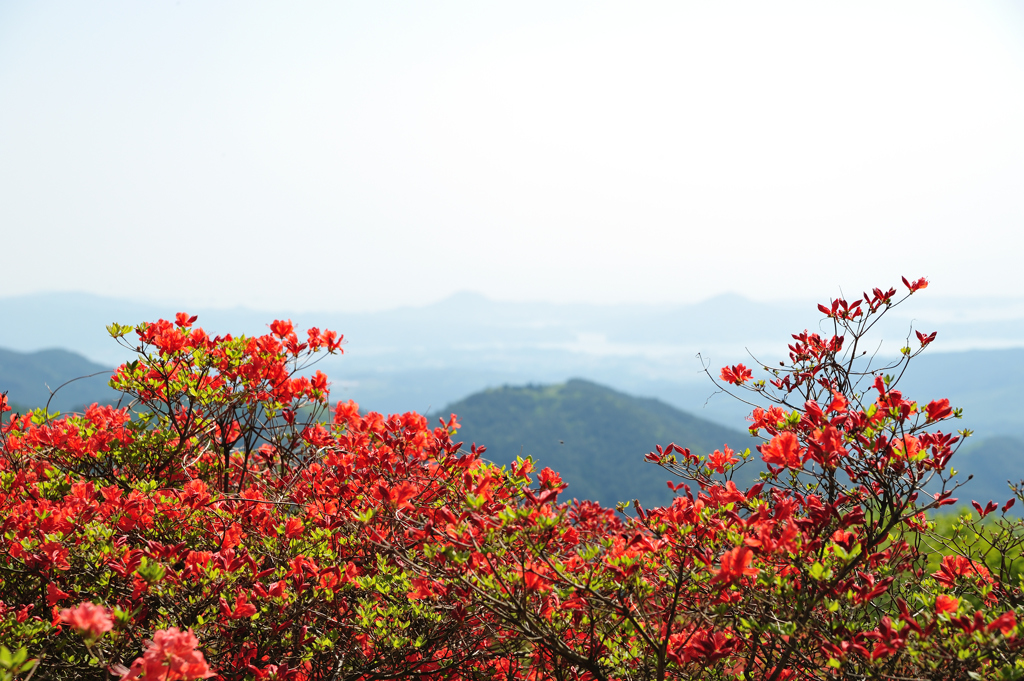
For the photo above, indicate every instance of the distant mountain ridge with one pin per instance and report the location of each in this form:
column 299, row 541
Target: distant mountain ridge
column 419, row 358
column 493, row 333
column 64, row 379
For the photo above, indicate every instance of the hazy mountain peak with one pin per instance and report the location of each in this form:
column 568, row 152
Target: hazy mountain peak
column 464, row 299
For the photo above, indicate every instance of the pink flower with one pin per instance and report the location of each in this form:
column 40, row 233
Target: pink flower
column 171, row 656
column 90, row 620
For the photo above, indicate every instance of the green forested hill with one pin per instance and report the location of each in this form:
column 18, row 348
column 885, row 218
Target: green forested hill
column 28, row 378
column 594, row 436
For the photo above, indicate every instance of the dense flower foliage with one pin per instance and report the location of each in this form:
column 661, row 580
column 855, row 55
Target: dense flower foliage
column 226, row 521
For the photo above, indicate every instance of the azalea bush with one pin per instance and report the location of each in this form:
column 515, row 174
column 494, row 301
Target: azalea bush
column 227, row 521
column 221, row 504
column 818, row 570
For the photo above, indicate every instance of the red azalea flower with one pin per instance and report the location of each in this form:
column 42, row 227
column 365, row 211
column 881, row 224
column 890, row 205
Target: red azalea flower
column 944, row 603
column 736, row 375
column 735, row 564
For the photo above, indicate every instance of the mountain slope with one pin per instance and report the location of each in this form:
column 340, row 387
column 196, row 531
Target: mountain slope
column 29, row 377
column 993, row 462
column 595, row 437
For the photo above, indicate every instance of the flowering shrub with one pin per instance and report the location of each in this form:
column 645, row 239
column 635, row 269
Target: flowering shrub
column 222, row 502
column 816, row 571
column 228, row 522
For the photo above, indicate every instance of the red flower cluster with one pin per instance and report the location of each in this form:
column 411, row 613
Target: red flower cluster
column 171, row 655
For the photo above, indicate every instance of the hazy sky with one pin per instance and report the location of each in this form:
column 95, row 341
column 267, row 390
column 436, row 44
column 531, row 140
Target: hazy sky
column 368, row 155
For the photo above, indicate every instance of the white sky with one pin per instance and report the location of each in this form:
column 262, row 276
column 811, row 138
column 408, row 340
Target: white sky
column 375, row 154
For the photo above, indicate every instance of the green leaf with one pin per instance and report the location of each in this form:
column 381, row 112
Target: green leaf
column 819, row 572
